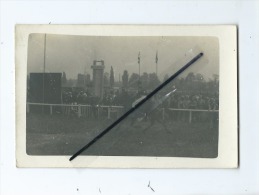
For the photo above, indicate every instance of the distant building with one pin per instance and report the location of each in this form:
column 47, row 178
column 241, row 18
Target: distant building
column 98, row 68
column 64, row 79
column 106, row 80
column 111, row 78
column 83, row 80
column 125, row 79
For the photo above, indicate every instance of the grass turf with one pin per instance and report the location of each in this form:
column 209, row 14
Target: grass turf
column 63, row 135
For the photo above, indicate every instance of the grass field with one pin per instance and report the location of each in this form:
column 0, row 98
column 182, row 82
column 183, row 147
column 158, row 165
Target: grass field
column 63, row 135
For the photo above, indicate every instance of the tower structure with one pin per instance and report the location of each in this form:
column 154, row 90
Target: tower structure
column 98, row 68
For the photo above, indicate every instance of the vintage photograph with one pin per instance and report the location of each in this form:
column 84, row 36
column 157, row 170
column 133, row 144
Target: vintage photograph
column 126, row 96
column 79, row 85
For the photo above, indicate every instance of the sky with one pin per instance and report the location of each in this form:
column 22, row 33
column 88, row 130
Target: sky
column 74, row 54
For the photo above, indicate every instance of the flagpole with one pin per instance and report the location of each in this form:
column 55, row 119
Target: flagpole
column 156, row 69
column 139, row 71
column 44, row 69
column 156, row 62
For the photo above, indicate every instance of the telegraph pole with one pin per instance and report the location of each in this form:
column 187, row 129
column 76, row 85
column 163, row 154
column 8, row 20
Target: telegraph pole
column 138, row 71
column 44, row 69
column 156, row 62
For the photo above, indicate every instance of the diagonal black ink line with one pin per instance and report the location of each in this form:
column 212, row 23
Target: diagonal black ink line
column 137, row 105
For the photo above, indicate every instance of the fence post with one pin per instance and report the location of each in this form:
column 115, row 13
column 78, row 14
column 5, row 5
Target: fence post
column 79, row 111
column 118, row 112
column 190, row 116
column 109, row 112
column 50, row 109
column 28, row 108
column 87, row 109
column 97, row 111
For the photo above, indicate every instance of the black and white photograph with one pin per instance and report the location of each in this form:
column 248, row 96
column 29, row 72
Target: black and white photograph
column 78, row 85
column 122, row 96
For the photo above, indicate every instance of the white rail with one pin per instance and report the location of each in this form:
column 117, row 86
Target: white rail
column 88, row 110
column 188, row 110
column 80, row 109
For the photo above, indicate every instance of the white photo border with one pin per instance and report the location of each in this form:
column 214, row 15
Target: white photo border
column 228, row 106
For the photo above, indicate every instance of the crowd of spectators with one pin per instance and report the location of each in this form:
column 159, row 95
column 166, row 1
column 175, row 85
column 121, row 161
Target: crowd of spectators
column 178, row 100
column 195, row 101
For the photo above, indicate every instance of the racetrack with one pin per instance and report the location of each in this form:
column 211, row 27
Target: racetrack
column 64, row 135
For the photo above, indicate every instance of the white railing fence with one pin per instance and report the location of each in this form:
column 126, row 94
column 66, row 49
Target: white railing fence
column 79, row 110
column 189, row 111
column 99, row 110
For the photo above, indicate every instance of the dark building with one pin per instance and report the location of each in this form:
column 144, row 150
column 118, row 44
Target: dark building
column 45, row 88
column 111, row 78
column 125, row 79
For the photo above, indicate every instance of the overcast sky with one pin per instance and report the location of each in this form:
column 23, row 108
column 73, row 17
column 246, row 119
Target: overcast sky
column 75, row 54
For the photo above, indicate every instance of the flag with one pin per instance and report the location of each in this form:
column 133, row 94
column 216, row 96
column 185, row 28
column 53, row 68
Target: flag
column 139, row 57
column 156, row 57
